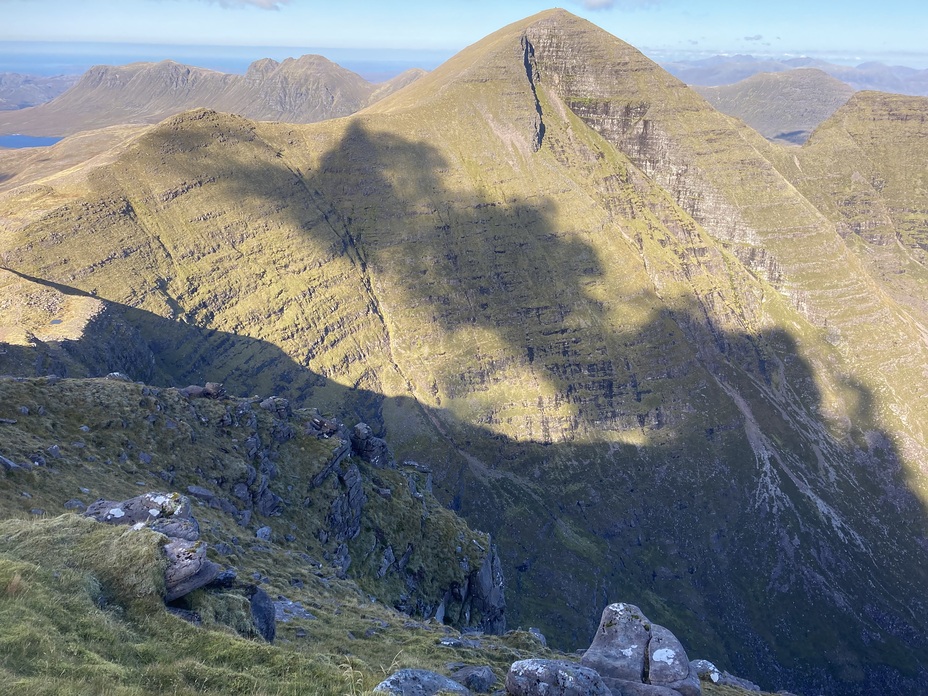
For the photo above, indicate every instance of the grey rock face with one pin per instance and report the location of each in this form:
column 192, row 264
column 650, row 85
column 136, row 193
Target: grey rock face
column 263, row 614
column 636, row 657
column 704, row 669
column 539, row 636
column 371, row 449
column 477, row 679
column 188, row 568
column 485, row 594
column 618, row 650
column 667, row 661
column 553, row 678
column 345, row 514
column 621, row 687
column 418, row 682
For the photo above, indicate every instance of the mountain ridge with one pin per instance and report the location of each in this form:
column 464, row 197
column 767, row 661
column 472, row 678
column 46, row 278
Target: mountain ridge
column 784, row 106
column 302, row 90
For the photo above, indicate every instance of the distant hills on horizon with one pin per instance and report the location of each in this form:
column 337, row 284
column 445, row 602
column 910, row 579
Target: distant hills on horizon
column 754, row 89
column 725, row 70
column 299, row 90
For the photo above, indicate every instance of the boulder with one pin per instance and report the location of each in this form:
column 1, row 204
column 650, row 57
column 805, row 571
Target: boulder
column 621, row 687
column 477, row 679
column 419, row 682
column 169, row 514
column 371, row 449
column 188, row 568
column 263, row 613
column 707, row 671
column 553, row 678
column 667, row 661
column 618, row 649
column 636, row 657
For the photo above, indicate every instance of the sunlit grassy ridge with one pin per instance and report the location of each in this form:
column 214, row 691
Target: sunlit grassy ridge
column 629, row 346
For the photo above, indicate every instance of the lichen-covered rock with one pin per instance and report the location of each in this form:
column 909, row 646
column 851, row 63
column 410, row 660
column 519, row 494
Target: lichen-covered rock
column 667, row 661
column 143, row 509
column 618, row 649
column 419, row 682
column 707, row 671
column 169, row 514
column 636, row 657
column 553, row 678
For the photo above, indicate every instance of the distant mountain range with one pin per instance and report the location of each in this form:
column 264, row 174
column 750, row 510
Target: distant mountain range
column 21, row 91
column 656, row 356
column 785, row 106
column 300, row 90
column 726, row 70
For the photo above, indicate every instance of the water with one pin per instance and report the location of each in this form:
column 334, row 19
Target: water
column 18, row 141
column 74, row 58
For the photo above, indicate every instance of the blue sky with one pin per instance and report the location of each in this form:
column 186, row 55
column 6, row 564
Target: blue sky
column 662, row 28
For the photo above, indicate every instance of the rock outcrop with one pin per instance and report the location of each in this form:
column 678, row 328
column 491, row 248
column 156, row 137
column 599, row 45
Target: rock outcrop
column 635, row 656
column 553, row 678
column 169, row 514
column 477, row 679
column 419, row 682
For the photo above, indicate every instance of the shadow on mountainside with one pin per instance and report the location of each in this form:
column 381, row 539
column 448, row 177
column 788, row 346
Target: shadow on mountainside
column 618, row 448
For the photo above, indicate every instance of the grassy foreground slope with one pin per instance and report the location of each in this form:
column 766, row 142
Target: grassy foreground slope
column 81, row 602
column 630, row 347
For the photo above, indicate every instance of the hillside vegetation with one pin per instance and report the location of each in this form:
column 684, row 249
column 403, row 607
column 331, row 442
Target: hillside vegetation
column 635, row 341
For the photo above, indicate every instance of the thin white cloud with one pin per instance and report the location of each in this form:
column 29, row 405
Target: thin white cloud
column 756, row 37
column 263, row 4
column 617, row 4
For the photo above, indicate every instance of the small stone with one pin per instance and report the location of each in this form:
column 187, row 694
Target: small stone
column 145, row 457
column 263, row 533
column 84, row 429
column 85, row 491
column 37, row 511
column 54, row 451
column 24, row 494
column 75, row 504
column 539, row 636
column 24, row 410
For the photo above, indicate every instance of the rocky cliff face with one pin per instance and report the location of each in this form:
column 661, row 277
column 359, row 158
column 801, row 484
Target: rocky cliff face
column 623, row 341
column 271, row 479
